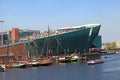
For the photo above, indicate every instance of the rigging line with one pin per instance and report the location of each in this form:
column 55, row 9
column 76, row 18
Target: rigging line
column 58, row 42
column 44, row 46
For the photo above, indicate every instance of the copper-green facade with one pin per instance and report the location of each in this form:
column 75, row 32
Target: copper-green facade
column 77, row 41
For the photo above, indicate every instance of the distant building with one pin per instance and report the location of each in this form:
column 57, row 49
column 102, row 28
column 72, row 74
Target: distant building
column 11, row 48
column 15, row 35
column 117, row 44
column 4, row 37
column 25, row 33
column 105, row 45
column 112, row 45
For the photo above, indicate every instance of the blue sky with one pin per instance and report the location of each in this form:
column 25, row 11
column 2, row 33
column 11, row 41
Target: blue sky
column 38, row 14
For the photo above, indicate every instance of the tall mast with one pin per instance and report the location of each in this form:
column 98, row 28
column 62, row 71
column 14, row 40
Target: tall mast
column 8, row 49
column 28, row 46
column 57, row 45
column 48, row 41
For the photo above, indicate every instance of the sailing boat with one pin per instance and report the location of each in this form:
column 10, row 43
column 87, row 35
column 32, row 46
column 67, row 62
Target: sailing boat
column 64, row 58
column 13, row 63
column 46, row 60
column 32, row 62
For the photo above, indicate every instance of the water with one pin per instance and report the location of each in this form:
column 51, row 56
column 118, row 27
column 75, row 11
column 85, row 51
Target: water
column 110, row 70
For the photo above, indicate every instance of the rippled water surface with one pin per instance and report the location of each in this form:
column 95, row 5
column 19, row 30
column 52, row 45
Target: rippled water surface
column 109, row 70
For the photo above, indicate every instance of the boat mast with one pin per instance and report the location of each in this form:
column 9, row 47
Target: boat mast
column 48, row 42
column 8, row 49
column 28, row 46
column 57, row 45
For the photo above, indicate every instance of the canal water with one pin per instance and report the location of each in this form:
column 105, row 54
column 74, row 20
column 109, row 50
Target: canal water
column 109, row 70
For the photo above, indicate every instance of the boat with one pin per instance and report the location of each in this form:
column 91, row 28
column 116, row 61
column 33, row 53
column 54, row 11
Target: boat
column 64, row 59
column 18, row 65
column 106, row 56
column 45, row 62
column 34, row 63
column 74, row 58
column 93, row 62
column 69, row 39
column 8, row 65
column 2, row 68
column 84, row 58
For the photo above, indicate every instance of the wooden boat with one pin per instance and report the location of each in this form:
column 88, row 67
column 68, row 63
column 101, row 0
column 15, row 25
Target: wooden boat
column 2, row 68
column 92, row 62
column 64, row 59
column 34, row 63
column 45, row 62
column 18, row 65
column 8, row 65
column 27, row 64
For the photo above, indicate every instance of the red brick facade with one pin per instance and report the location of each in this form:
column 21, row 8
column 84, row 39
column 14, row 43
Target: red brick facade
column 14, row 52
column 15, row 35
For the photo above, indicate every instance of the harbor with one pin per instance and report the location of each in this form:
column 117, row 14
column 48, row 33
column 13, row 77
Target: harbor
column 59, row 40
column 49, row 47
column 109, row 70
column 52, row 55
column 46, row 61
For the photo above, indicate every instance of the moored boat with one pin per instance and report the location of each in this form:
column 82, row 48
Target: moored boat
column 106, row 56
column 2, row 68
column 64, row 59
column 8, row 65
column 92, row 62
column 18, row 65
column 45, row 62
column 74, row 58
column 15, row 64
column 34, row 63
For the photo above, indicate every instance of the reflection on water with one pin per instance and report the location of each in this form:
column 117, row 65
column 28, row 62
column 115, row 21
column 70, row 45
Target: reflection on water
column 109, row 70
column 112, row 69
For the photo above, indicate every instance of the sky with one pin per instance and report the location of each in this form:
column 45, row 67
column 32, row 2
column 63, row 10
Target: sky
column 39, row 14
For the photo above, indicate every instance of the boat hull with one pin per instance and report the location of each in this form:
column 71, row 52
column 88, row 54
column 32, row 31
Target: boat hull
column 45, row 62
column 93, row 62
column 2, row 68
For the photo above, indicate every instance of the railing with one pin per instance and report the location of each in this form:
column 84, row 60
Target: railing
column 45, row 34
